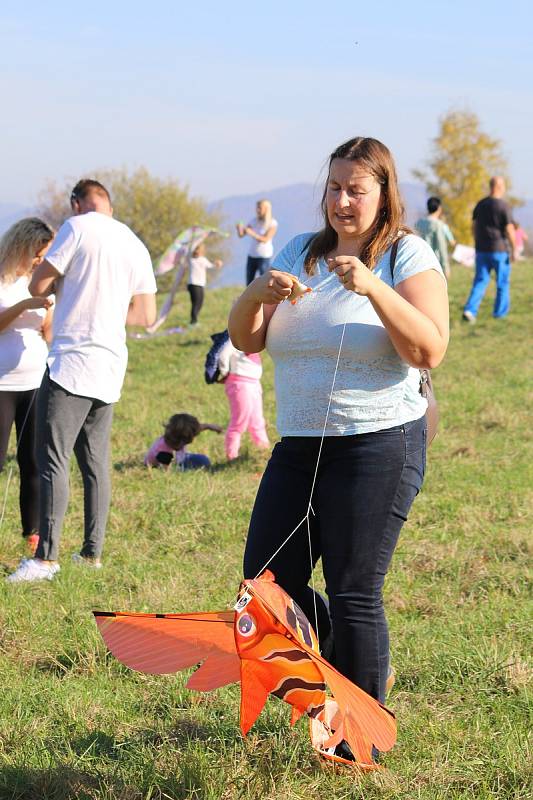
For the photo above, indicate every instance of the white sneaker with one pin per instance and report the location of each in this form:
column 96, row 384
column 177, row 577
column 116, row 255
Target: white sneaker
column 31, row 569
column 469, row 317
column 93, row 563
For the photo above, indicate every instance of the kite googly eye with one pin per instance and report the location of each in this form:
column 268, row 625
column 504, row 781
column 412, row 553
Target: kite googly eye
column 246, row 625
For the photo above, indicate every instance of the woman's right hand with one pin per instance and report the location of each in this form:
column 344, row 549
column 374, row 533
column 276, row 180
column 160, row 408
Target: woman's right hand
column 272, row 288
column 251, row 313
column 31, row 303
column 9, row 315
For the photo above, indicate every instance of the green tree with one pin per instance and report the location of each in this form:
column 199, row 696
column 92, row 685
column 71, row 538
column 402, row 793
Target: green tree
column 463, row 160
column 155, row 209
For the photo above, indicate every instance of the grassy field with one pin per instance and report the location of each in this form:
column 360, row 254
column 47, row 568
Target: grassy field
column 74, row 723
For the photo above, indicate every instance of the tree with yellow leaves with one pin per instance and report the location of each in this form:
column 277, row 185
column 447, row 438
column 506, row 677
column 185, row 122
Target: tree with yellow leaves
column 464, row 159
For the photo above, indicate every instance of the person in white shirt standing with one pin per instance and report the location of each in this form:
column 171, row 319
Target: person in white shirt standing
column 24, row 325
column 103, row 280
column 198, row 266
column 261, row 230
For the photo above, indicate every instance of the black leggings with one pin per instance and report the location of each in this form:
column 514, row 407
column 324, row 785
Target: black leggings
column 20, row 408
column 365, row 487
column 197, row 301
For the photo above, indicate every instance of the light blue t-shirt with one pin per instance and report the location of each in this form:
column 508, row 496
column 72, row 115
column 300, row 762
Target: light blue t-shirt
column 374, row 389
column 433, row 231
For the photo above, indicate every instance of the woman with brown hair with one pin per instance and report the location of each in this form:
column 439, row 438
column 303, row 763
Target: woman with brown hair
column 24, row 324
column 340, row 483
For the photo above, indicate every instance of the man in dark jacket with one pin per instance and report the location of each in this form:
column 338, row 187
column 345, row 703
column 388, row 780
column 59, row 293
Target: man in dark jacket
column 495, row 248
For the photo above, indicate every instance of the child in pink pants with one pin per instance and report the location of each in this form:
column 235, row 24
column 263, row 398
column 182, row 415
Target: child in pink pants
column 245, row 397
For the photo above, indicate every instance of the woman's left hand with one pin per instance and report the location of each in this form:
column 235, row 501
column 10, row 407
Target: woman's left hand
column 353, row 274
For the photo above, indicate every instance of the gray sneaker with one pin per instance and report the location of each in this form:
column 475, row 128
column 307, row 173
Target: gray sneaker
column 469, row 317
column 84, row 561
column 391, row 679
column 32, row 569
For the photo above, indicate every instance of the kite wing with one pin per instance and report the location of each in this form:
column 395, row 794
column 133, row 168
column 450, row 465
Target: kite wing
column 361, row 720
column 175, row 251
column 164, row 643
column 184, row 243
column 169, row 302
column 175, row 257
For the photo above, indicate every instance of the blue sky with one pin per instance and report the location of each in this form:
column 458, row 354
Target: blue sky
column 238, row 97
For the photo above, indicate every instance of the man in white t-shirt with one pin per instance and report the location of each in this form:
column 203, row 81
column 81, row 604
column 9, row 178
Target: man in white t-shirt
column 103, row 280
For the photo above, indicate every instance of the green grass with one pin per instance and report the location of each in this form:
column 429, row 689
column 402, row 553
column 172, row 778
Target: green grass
column 74, row 723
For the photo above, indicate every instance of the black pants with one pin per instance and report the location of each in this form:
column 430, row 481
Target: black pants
column 365, row 487
column 256, row 266
column 197, row 301
column 21, row 408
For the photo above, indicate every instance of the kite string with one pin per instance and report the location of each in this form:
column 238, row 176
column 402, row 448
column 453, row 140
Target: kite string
column 326, row 419
column 4, row 504
column 309, row 505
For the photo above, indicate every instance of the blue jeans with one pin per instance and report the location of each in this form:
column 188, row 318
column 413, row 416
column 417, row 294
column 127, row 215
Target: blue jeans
column 364, row 490
column 256, row 266
column 485, row 262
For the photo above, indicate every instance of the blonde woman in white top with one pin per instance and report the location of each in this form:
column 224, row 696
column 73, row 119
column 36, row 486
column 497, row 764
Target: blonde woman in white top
column 261, row 230
column 24, row 322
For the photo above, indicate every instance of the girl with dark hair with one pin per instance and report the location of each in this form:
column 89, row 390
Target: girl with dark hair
column 24, row 324
column 180, row 431
column 352, row 421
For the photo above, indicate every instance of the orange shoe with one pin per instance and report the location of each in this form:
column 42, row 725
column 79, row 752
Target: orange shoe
column 32, row 542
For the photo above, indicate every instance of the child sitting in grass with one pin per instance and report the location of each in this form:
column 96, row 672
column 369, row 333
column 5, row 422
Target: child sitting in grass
column 180, row 430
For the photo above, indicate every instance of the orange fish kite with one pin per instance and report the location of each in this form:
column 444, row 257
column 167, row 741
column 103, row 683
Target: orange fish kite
column 267, row 644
